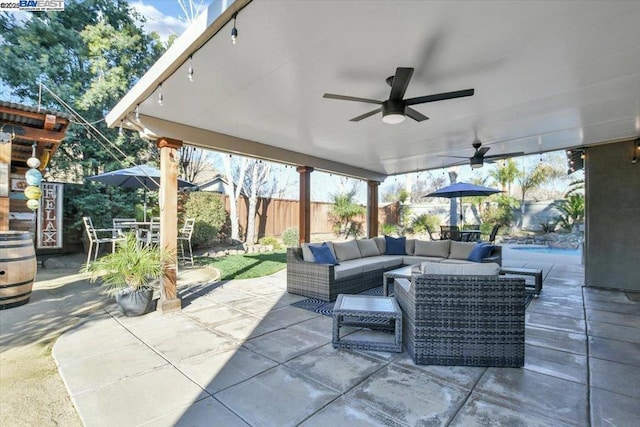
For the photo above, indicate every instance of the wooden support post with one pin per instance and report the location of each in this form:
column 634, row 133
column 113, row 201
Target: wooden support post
column 169, row 162
column 304, row 220
column 372, row 208
column 5, row 184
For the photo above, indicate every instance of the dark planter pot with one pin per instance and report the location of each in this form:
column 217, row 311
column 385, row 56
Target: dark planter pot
column 134, row 303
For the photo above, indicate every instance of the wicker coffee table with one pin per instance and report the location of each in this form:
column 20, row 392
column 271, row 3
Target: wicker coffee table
column 367, row 311
column 403, row 272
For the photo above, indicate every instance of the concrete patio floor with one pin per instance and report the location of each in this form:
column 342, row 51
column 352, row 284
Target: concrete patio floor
column 239, row 354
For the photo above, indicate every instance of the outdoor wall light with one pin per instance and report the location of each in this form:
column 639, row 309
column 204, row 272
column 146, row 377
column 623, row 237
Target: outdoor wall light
column 234, row 30
column 636, row 151
column 190, row 72
column 160, row 97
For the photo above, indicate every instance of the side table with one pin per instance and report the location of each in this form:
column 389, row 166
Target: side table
column 535, row 272
column 368, row 311
column 403, row 272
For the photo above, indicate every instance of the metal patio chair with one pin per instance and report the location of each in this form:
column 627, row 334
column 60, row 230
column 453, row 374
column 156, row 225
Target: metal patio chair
column 449, row 232
column 151, row 235
column 123, row 225
column 184, row 237
column 100, row 235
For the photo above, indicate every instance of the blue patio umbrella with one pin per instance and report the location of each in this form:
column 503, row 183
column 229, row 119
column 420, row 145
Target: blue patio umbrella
column 462, row 189
column 142, row 176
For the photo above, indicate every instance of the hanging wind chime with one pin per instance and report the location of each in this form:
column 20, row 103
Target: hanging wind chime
column 33, row 177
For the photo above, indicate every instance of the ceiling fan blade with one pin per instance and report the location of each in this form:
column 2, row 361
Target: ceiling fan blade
column 504, row 156
column 440, row 96
column 482, row 151
column 365, row 115
column 455, row 157
column 351, row 98
column 400, row 83
column 415, row 115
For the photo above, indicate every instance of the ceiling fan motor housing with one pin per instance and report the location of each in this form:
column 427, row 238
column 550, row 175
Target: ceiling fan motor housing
column 476, row 162
column 393, row 112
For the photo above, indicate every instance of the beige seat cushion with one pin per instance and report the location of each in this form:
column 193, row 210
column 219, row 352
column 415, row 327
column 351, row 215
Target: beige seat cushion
column 461, row 250
column 346, row 250
column 436, row 248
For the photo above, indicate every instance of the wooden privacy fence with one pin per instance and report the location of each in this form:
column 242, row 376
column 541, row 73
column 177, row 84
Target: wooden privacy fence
column 274, row 216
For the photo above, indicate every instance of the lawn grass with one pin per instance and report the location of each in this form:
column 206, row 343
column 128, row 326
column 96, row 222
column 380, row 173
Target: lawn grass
column 247, row 266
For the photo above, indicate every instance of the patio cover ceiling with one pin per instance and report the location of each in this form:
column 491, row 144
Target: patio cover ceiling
column 547, row 76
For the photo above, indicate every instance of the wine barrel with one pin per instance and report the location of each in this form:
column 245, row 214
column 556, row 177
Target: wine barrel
column 17, row 268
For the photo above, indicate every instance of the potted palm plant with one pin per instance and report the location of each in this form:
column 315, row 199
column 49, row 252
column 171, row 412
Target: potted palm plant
column 130, row 273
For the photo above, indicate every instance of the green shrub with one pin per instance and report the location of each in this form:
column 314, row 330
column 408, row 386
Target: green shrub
column 424, row 221
column 502, row 212
column 270, row 240
column 388, row 229
column 291, row 237
column 210, row 215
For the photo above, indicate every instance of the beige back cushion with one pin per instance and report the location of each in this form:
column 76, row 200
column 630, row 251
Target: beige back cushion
column 461, row 250
column 438, row 248
column 382, row 245
column 409, row 246
column 367, row 247
column 346, row 250
column 307, row 255
column 470, row 269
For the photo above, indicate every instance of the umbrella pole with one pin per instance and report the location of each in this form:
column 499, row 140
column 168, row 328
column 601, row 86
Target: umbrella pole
column 145, row 205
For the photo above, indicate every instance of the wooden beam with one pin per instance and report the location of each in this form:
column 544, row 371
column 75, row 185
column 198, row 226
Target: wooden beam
column 30, row 114
column 169, row 161
column 304, row 219
column 372, row 208
column 5, row 173
column 35, row 134
column 210, row 140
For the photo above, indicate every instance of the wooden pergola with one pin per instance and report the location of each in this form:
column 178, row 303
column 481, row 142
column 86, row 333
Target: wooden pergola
column 26, row 127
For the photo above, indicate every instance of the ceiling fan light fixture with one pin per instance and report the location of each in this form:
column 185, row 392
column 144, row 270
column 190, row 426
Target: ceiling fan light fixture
column 393, row 118
column 476, row 163
column 392, row 113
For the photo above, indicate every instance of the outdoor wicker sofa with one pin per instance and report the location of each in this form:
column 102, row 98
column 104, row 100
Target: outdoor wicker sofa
column 463, row 320
column 362, row 267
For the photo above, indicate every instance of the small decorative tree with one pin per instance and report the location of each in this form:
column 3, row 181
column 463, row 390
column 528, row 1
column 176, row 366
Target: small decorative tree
column 572, row 209
column 343, row 211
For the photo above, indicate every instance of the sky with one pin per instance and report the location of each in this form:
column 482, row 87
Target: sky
column 163, row 16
